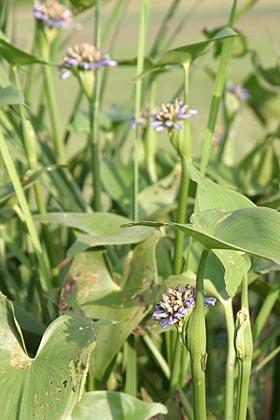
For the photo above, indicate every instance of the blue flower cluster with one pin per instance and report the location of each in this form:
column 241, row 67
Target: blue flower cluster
column 84, row 57
column 175, row 304
column 52, row 14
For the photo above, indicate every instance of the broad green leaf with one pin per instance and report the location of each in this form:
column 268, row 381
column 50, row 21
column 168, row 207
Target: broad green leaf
column 10, row 96
column 96, row 224
column 239, row 45
column 213, row 196
column 17, row 57
column 109, row 405
column 186, row 53
column 90, row 290
column 50, row 384
column 102, row 228
column 255, row 230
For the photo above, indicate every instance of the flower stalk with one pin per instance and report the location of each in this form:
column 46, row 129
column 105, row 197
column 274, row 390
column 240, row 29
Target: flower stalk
column 145, row 4
column 217, row 94
column 196, row 343
column 244, row 352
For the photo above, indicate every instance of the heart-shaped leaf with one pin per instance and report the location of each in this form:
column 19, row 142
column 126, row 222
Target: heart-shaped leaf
column 109, row 405
column 89, row 290
column 51, row 383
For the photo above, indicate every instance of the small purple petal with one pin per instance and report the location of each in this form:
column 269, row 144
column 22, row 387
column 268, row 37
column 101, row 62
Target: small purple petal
column 209, row 301
column 64, row 74
column 178, row 126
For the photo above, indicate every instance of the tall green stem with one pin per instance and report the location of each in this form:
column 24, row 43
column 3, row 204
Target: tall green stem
column 231, row 357
column 131, row 366
column 138, row 100
column 244, row 351
column 181, row 217
column 30, row 146
column 217, row 94
column 94, row 120
column 54, row 115
column 150, row 138
column 196, row 343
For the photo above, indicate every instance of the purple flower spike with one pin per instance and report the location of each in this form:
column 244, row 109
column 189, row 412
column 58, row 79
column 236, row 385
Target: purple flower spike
column 86, row 57
column 241, row 93
column 175, row 304
column 169, row 116
column 52, row 14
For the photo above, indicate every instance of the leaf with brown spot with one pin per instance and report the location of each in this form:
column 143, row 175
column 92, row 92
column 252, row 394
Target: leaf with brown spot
column 103, row 299
column 50, row 384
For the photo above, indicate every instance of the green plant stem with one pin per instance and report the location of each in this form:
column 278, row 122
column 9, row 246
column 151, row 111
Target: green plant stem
column 267, row 359
column 94, row 120
column 76, row 105
column 181, row 217
column 54, row 115
column 196, row 343
column 150, row 138
column 45, row 283
column 30, row 145
column 266, row 309
column 186, row 404
column 244, row 346
column 157, row 355
column 175, row 373
column 164, row 28
column 231, row 358
column 138, row 101
column 131, row 367
column 217, row 94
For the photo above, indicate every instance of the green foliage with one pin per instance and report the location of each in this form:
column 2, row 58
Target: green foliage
column 51, row 383
column 76, row 327
column 115, row 406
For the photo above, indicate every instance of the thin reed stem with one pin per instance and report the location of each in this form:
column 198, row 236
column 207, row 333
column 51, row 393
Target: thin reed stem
column 244, row 350
column 94, row 120
column 196, row 343
column 138, row 101
column 217, row 95
column 231, row 358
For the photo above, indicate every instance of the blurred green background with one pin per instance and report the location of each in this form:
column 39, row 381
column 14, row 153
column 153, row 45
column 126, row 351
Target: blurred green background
column 260, row 25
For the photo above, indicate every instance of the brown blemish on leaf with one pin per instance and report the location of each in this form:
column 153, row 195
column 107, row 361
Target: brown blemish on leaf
column 18, row 359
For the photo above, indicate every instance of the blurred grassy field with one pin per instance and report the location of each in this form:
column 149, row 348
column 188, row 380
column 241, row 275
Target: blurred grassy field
column 260, row 25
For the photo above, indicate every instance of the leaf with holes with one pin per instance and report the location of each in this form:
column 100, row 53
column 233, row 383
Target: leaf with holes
column 50, row 384
column 90, row 290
